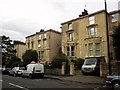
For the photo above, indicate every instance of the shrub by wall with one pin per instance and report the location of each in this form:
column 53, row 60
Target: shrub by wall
column 79, row 62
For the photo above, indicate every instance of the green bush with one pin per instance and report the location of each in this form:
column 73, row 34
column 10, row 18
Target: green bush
column 79, row 62
column 58, row 59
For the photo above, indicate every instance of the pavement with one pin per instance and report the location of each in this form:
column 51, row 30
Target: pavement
column 84, row 79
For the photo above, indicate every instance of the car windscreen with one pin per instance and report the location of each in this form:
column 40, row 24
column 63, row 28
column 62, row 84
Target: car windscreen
column 90, row 62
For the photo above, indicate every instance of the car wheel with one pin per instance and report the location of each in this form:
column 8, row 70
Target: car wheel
column 9, row 74
column 14, row 75
column 31, row 76
column 41, row 76
column 83, row 73
column 116, row 86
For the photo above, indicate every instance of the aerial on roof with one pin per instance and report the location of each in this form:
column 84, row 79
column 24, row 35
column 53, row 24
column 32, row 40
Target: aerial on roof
column 86, row 15
column 83, row 16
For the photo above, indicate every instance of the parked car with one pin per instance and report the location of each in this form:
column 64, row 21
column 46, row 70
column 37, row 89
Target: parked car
column 92, row 65
column 16, row 71
column 34, row 70
column 113, row 80
column 5, row 70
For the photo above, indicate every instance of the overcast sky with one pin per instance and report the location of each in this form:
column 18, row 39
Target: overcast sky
column 21, row 18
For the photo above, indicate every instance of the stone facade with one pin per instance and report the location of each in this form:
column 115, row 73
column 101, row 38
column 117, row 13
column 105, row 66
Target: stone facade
column 85, row 36
column 20, row 48
column 46, row 43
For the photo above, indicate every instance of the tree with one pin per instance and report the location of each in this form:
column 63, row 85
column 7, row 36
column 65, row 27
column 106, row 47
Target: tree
column 30, row 55
column 7, row 50
column 116, row 41
column 14, row 62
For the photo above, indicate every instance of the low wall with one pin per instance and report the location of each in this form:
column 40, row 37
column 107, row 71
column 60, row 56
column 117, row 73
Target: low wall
column 115, row 68
column 103, row 69
column 53, row 71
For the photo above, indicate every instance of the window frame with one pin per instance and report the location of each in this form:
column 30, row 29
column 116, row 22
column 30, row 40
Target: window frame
column 90, row 50
column 70, row 36
column 114, row 17
column 40, row 55
column 92, row 31
column 91, row 20
column 97, row 49
column 70, row 26
column 73, row 51
column 69, row 51
column 39, row 43
column 32, row 44
column 45, row 36
column 40, row 37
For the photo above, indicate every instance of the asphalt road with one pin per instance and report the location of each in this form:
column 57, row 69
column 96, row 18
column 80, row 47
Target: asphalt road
column 21, row 83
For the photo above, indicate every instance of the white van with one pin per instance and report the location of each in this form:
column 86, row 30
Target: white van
column 92, row 65
column 34, row 70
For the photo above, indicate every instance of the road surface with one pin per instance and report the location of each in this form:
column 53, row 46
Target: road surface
column 20, row 83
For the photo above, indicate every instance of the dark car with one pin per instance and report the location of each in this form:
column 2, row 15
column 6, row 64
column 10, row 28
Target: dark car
column 113, row 81
column 5, row 70
column 16, row 71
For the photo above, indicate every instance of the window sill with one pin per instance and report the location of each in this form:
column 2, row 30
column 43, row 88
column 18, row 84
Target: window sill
column 92, row 25
column 69, row 30
column 93, row 38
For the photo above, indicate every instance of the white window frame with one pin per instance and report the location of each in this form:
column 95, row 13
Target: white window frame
column 97, row 48
column 114, row 17
column 70, row 36
column 70, row 26
column 92, row 32
column 45, row 36
column 39, row 37
column 90, row 49
column 91, row 20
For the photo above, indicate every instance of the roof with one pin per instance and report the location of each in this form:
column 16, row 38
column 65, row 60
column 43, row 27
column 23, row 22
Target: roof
column 113, row 12
column 19, row 42
column 83, row 16
column 90, row 15
column 50, row 30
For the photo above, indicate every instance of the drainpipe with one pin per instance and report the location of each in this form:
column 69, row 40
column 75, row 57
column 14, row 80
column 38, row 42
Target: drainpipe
column 107, row 35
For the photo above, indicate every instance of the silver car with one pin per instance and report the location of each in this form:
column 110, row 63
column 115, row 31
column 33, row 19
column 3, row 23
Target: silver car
column 16, row 71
